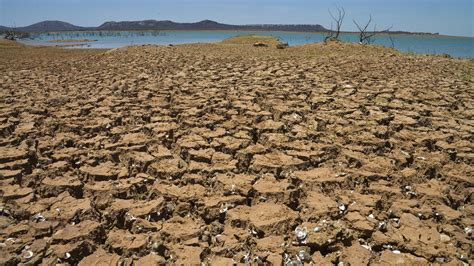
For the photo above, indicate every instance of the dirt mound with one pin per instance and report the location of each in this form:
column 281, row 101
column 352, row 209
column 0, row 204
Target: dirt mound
column 252, row 40
column 223, row 154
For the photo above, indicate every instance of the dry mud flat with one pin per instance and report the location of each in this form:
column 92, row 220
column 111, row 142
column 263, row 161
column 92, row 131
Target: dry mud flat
column 223, row 154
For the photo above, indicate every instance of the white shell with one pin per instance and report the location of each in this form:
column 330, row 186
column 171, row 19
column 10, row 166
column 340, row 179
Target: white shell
column 28, row 255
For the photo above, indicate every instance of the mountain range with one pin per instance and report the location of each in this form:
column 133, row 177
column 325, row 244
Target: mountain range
column 54, row 25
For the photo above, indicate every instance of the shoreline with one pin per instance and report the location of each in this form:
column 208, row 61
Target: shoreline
column 72, row 41
column 291, row 32
column 83, row 42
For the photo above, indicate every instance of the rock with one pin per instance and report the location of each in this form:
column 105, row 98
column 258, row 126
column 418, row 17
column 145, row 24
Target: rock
column 90, row 230
column 101, row 257
column 72, row 252
column 360, row 223
column 123, row 188
column 16, row 230
column 161, row 152
column 317, row 204
column 137, row 160
column 15, row 192
column 186, row 255
column 390, row 258
column 259, row 44
column 269, row 189
column 180, row 230
column 123, row 242
column 104, row 171
column 273, row 244
column 319, row 259
column 168, row 168
column 268, row 218
column 229, row 144
column 202, row 155
column 218, row 260
column 212, row 208
column 143, row 76
column 235, row 184
column 7, row 174
column 150, row 259
column 356, row 255
column 269, row 125
column 9, row 259
column 282, row 45
column 44, row 228
column 320, row 177
column 53, row 187
column 9, row 154
column 183, row 193
column 68, row 208
column 275, row 160
column 132, row 139
column 137, row 209
column 221, row 162
column 444, row 238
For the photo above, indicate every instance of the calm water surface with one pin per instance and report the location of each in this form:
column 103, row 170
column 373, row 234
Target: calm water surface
column 454, row 46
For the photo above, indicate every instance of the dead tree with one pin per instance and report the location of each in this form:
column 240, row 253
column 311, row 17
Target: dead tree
column 392, row 42
column 366, row 36
column 334, row 34
column 13, row 35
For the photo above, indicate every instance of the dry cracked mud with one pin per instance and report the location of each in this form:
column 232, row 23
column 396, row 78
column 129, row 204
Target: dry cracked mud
column 227, row 153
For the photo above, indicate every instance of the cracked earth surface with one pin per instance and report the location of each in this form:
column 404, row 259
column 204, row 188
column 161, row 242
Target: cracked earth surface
column 223, row 154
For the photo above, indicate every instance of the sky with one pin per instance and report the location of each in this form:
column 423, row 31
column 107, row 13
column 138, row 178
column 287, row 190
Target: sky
column 449, row 17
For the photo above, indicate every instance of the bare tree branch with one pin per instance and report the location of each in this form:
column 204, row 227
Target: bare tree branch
column 391, row 40
column 13, row 34
column 366, row 37
column 334, row 35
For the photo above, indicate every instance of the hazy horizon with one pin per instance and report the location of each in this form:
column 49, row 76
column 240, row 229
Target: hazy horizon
column 436, row 16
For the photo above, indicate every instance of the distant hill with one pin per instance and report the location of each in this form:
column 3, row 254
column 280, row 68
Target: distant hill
column 54, row 25
column 295, row 28
column 51, row 25
column 162, row 25
column 201, row 25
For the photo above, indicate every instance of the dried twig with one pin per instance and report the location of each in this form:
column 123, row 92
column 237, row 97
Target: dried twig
column 365, row 36
column 334, row 34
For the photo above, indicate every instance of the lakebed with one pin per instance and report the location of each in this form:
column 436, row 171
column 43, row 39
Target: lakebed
column 228, row 153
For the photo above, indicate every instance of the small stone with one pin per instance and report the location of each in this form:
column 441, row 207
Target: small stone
column 342, row 207
column 303, row 256
column 468, row 230
column 301, row 233
column 38, row 218
column 260, row 44
column 445, row 189
column 27, row 254
column 143, row 76
column 382, row 226
column 444, row 238
column 282, row 45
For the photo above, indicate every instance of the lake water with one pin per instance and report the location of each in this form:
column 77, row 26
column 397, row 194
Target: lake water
column 454, row 46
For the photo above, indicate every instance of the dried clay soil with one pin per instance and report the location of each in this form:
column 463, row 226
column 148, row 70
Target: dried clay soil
column 228, row 153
